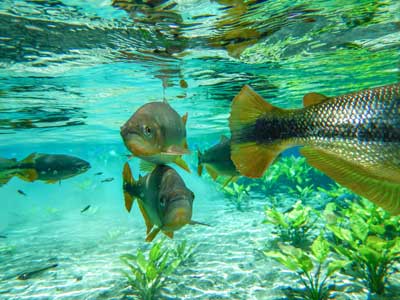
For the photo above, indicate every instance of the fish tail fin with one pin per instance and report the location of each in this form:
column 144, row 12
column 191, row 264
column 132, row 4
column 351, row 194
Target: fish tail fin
column 250, row 157
column 129, row 187
column 27, row 174
column 200, row 163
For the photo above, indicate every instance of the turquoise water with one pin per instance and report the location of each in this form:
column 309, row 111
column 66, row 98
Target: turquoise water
column 72, row 72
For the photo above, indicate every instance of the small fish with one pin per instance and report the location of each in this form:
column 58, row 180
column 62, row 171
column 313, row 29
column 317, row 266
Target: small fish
column 29, row 275
column 3, row 236
column 157, row 134
column 217, row 161
column 22, row 192
column 85, row 209
column 109, row 179
column 183, row 84
column 98, row 173
column 352, row 138
column 163, row 198
column 50, row 168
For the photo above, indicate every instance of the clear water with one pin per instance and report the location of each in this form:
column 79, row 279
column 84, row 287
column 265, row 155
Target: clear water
column 72, row 72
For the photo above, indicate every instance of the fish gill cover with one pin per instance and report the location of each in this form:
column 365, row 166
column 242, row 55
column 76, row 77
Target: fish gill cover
column 73, row 72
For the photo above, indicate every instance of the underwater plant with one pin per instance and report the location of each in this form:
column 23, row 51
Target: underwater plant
column 148, row 274
column 294, row 225
column 369, row 239
column 238, row 195
column 315, row 269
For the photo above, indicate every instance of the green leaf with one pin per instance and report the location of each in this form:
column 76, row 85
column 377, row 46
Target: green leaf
column 155, row 252
column 141, row 261
column 335, row 266
column 276, row 218
column 285, row 260
column 359, row 227
column 305, row 263
column 369, row 255
column 320, row 249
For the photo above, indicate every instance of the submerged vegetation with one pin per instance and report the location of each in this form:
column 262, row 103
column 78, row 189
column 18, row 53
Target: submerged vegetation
column 148, row 274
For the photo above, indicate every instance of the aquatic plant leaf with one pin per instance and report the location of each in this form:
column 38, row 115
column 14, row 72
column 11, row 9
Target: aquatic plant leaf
column 155, row 252
column 377, row 243
column 359, row 227
column 141, row 261
column 335, row 266
column 378, row 229
column 341, row 233
column 369, row 255
column 320, row 249
column 283, row 259
column 276, row 218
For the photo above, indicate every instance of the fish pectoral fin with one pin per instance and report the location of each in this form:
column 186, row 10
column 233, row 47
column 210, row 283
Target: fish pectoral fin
column 150, row 237
column 128, row 186
column 149, row 225
column 313, row 98
column 184, row 118
column 361, row 180
column 250, row 158
column 146, row 166
column 213, row 173
column 181, row 163
column 28, row 175
column 176, row 150
column 199, row 223
column 169, row 234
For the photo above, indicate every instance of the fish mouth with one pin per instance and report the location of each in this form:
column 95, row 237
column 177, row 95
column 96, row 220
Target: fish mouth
column 138, row 145
column 178, row 215
column 83, row 166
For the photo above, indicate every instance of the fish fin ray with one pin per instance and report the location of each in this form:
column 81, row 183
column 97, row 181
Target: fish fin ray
column 146, row 218
column 213, row 173
column 150, row 237
column 364, row 182
column 313, row 98
column 128, row 185
column 181, row 163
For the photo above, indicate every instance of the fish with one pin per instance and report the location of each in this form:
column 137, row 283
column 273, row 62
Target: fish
column 98, row 173
column 3, row 236
column 353, row 138
column 50, row 168
column 31, row 274
column 163, row 198
column 157, row 134
column 22, row 192
column 108, row 179
column 85, row 209
column 217, row 161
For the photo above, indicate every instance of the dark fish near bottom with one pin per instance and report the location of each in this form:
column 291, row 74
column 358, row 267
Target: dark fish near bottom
column 85, row 209
column 28, row 275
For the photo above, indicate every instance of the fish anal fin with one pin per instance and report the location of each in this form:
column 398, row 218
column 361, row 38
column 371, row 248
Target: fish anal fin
column 169, row 234
column 28, row 174
column 313, row 98
column 213, row 173
column 363, row 181
column 252, row 159
column 146, row 166
column 146, row 218
column 128, row 185
column 150, row 237
column 181, row 163
column 184, row 118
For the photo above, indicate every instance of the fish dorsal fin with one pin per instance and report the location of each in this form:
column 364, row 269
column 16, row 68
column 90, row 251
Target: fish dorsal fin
column 28, row 174
column 250, row 158
column 213, row 173
column 199, row 162
column 150, row 237
column 224, row 139
column 128, row 185
column 313, row 98
column 146, row 218
column 146, row 166
column 30, row 159
column 184, row 118
column 181, row 163
column 363, row 181
column 169, row 234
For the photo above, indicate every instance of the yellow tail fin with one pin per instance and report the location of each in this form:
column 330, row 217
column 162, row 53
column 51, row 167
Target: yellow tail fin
column 128, row 187
column 250, row 157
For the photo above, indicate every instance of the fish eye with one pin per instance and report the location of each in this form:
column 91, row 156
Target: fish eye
column 147, row 130
column 192, row 195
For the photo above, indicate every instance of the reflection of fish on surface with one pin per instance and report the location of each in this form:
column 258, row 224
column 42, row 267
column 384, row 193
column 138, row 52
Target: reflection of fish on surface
column 163, row 198
column 352, row 138
column 46, row 167
column 217, row 161
column 157, row 134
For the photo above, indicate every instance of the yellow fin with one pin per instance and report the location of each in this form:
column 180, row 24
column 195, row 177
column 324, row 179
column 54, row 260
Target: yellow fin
column 313, row 98
column 184, row 118
column 128, row 184
column 212, row 172
column 149, row 225
column 30, row 159
column 362, row 181
column 181, row 163
column 28, row 174
column 146, row 166
column 150, row 237
column 169, row 234
column 250, row 158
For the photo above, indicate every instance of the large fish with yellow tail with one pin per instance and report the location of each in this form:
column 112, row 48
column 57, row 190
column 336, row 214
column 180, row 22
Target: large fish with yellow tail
column 217, row 161
column 163, row 198
column 157, row 134
column 352, row 138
